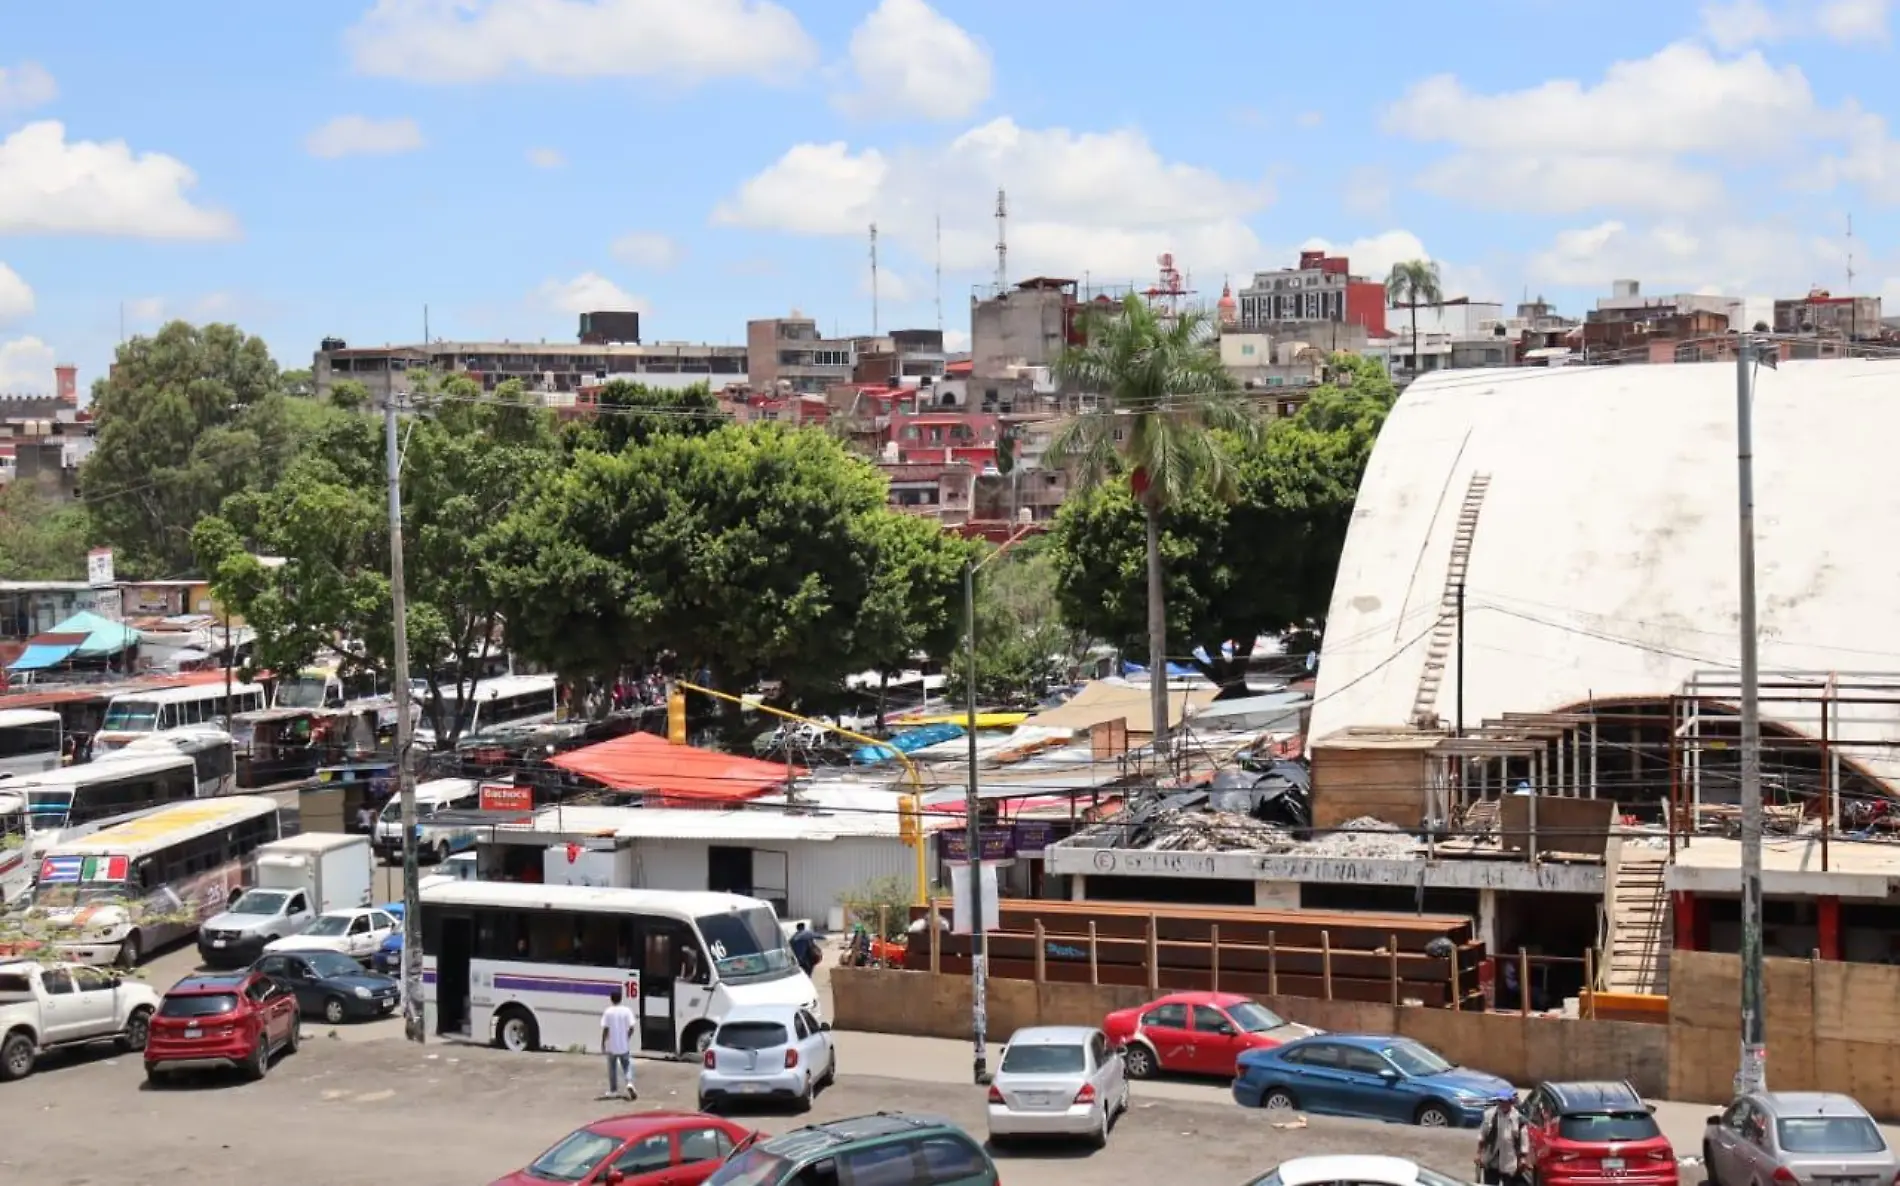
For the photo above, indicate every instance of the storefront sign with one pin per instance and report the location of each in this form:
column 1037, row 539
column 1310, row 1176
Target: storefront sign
column 502, row 796
column 1000, row 843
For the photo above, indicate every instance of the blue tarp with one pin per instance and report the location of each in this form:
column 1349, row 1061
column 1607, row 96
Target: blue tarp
column 103, row 635
column 41, row 655
column 1174, row 669
column 909, row 742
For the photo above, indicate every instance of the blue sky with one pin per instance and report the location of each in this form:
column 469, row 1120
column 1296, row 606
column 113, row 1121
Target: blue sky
column 330, row 168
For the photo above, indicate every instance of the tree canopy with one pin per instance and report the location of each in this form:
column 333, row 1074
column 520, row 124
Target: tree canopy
column 40, row 539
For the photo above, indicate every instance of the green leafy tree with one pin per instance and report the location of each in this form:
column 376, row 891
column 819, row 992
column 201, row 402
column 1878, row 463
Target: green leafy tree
column 1412, row 283
column 1167, row 397
column 40, row 539
column 1023, row 646
column 749, row 551
column 915, row 601
column 466, row 463
column 633, row 413
column 186, row 418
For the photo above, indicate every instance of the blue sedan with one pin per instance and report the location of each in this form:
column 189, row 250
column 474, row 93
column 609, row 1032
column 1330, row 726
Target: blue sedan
column 1373, row 1076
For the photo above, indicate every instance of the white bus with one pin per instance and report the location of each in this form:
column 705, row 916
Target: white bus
column 137, row 886
column 30, row 740
column 74, row 801
column 213, row 754
column 509, row 700
column 324, row 686
column 530, row 966
column 16, row 874
column 133, row 715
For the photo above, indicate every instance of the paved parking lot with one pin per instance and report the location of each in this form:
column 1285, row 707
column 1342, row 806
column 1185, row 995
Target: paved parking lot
column 346, row 1112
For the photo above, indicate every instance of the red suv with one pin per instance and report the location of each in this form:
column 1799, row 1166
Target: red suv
column 1595, row 1134
column 243, row 1020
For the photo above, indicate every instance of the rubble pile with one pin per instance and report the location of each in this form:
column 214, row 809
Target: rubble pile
column 1364, row 838
column 1215, row 831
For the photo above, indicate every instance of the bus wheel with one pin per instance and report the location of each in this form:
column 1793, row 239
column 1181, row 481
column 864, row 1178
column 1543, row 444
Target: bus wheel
column 515, row 1030
column 699, row 1037
column 129, row 952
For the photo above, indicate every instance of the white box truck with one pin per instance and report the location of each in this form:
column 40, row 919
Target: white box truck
column 298, row 878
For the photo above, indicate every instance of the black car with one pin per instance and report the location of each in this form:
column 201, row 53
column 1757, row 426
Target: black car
column 331, row 985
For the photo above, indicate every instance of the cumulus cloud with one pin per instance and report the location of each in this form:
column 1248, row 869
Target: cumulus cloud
column 1512, row 150
column 49, row 185
column 648, row 249
column 26, row 86
column 154, row 311
column 1735, row 258
column 911, row 60
column 26, row 365
column 1101, row 202
column 360, row 135
column 589, row 292
column 16, row 297
column 1736, row 24
column 459, row 41
column 546, row 158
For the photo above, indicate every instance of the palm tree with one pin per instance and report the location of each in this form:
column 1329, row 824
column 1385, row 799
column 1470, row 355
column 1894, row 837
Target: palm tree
column 1412, row 283
column 1164, row 391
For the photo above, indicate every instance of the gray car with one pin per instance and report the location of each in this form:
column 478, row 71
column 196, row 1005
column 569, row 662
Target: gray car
column 1822, row 1138
column 1057, row 1081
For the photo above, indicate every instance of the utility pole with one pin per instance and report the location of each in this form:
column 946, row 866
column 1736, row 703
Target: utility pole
column 405, row 784
column 874, row 280
column 1753, row 1074
column 1459, row 719
column 972, row 815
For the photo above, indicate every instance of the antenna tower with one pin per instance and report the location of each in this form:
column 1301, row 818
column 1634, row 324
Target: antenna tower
column 1850, row 255
column 939, row 273
column 874, row 280
column 1002, row 243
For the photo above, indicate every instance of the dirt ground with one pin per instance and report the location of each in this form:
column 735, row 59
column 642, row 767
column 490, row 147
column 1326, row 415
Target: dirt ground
column 339, row 1113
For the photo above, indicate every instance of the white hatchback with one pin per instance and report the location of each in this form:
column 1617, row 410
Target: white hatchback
column 357, row 933
column 1360, row 1169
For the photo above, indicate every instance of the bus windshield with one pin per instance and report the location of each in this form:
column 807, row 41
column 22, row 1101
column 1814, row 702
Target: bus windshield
column 747, row 945
column 130, row 716
column 67, row 896
column 306, row 691
column 49, row 809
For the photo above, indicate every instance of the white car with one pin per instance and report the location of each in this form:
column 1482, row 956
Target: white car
column 47, row 1006
column 357, row 933
column 1057, row 1081
column 1359, row 1169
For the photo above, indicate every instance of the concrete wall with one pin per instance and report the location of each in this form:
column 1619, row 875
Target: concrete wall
column 1831, row 1027
column 1522, row 1049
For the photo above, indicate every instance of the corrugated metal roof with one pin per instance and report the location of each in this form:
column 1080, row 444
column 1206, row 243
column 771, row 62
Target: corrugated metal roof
column 833, row 813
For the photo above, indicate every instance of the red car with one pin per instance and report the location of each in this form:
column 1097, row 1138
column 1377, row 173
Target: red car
column 1595, row 1134
column 242, row 1020
column 1196, row 1033
column 643, row 1149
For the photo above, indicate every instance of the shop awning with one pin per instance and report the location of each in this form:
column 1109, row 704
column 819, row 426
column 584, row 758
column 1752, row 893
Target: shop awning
column 39, row 655
column 644, row 762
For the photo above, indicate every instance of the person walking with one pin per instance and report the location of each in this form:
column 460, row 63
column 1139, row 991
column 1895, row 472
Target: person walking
column 805, row 948
column 1502, row 1145
column 616, row 1042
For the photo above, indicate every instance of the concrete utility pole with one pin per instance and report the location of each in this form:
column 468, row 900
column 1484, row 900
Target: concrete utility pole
column 973, row 821
column 1753, row 1074
column 405, row 784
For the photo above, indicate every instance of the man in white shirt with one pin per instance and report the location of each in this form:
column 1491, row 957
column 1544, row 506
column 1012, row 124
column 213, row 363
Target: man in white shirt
column 616, row 1042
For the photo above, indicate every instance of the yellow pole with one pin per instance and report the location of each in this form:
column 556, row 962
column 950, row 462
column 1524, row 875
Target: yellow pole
column 913, row 806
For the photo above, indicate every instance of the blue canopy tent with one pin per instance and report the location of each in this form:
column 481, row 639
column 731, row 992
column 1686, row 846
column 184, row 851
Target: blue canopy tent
column 85, row 635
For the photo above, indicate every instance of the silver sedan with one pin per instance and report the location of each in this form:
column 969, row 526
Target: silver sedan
column 1057, row 1081
column 1820, row 1138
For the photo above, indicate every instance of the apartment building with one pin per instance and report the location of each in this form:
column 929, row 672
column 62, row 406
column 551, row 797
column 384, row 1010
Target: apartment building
column 791, row 351
column 1319, row 300
column 1854, row 318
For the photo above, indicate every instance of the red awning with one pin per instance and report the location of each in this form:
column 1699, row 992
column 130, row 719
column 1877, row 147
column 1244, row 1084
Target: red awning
column 644, row 762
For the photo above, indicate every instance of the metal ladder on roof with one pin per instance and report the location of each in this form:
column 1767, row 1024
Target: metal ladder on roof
column 1445, row 632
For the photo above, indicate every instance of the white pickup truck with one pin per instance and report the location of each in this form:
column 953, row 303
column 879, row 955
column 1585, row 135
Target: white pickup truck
column 47, row 1006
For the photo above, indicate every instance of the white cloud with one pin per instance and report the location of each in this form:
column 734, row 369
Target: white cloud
column 546, row 158
column 1511, row 149
column 451, row 41
column 26, row 86
column 26, row 365
column 1735, row 24
column 892, row 288
column 360, row 135
column 648, row 249
column 1735, row 258
column 1374, row 255
column 911, row 60
column 955, row 341
column 153, row 311
column 16, row 296
column 1100, row 202
column 589, row 292
column 49, row 185
column 1368, row 191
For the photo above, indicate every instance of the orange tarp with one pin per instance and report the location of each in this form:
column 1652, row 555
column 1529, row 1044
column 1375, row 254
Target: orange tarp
column 644, row 762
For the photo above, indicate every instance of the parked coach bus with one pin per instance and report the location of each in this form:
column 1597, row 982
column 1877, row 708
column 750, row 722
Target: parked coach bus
column 529, row 967
column 72, row 802
column 133, row 715
column 136, row 886
column 16, row 873
column 212, row 752
column 30, row 740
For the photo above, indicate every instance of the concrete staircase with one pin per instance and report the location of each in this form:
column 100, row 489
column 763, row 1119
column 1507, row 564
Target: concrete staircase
column 1640, row 924
column 1445, row 633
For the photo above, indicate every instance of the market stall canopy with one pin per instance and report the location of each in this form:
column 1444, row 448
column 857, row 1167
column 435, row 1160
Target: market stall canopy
column 1107, row 700
column 644, row 762
column 85, row 635
column 48, row 650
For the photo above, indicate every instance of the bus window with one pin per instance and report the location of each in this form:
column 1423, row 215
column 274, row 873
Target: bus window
column 130, row 716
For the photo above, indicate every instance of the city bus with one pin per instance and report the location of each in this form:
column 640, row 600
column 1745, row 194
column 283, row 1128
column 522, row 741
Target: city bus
column 16, row 874
column 136, row 886
column 30, row 740
column 133, row 715
column 213, row 754
column 529, row 967
column 507, row 700
column 324, row 686
column 68, row 803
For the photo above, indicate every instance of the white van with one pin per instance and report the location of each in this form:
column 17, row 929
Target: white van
column 434, row 843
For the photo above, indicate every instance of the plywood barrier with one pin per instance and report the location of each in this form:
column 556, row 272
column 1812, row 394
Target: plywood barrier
column 1831, row 1026
column 1522, row 1049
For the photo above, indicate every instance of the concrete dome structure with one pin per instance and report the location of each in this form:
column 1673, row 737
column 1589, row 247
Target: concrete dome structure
column 1602, row 563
